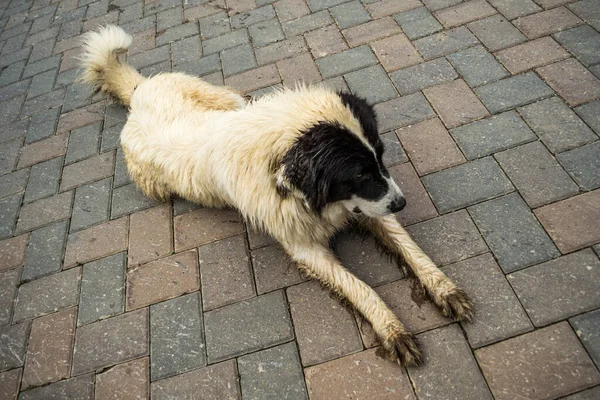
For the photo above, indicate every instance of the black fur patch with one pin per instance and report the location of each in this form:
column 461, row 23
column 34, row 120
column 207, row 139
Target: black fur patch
column 365, row 114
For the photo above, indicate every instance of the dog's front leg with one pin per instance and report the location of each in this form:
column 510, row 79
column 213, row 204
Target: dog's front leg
column 450, row 299
column 320, row 263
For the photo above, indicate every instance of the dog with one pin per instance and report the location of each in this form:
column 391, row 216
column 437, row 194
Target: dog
column 298, row 164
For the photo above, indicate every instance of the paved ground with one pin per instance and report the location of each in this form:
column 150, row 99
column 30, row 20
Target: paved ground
column 491, row 117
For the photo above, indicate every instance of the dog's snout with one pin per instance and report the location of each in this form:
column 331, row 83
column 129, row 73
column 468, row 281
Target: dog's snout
column 397, row 204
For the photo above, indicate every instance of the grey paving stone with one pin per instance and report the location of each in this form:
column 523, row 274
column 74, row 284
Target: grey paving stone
column 266, row 32
column 346, row 61
column 307, row 23
column 316, row 5
column 251, row 17
column 477, row 66
column 583, row 42
column 513, row 92
column 9, row 110
column 91, row 204
column 237, row 60
column 588, row 11
column 9, row 282
column 121, row 175
column 402, row 111
column 150, row 57
column 448, row 358
column 14, row 182
column 587, row 328
column 15, row 130
column 83, row 142
column 111, row 137
column 214, row 25
column 590, row 113
column 110, row 341
column 461, row 239
column 42, row 83
column 371, row 83
column 583, row 164
column 394, row 153
column 179, row 318
column 421, row 76
column 256, row 372
column 76, row 96
column 102, row 289
column 273, row 269
column 43, row 179
column 204, row 66
column 186, row 50
column 536, row 174
column 589, row 394
column 496, row 32
column 247, row 326
column 488, row 136
column 13, row 340
column 417, row 23
column 226, row 41
column 42, row 49
column 499, row 313
column 560, row 288
column 513, row 9
column 45, row 251
column 512, row 232
column 466, row 184
column 445, row 42
column 48, row 294
column 168, row 18
column 14, row 89
column 127, row 199
column 177, row 32
column 9, row 209
column 42, row 125
column 12, row 73
column 350, row 14
column 557, row 125
column 115, row 114
column 38, row 67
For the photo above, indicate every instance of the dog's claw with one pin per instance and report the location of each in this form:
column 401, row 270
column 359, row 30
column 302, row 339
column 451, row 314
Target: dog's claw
column 457, row 305
column 402, row 348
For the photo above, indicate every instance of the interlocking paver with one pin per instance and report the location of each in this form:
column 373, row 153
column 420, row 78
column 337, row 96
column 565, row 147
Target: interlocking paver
column 88, row 170
column 465, row 12
column 547, row 363
column 396, row 52
column 9, row 152
column 247, row 326
column 402, row 111
column 417, row 23
column 572, row 81
column 477, row 66
column 255, row 79
column 102, row 289
column 421, row 76
column 43, row 150
column 513, row 92
column 45, row 251
column 43, row 212
column 445, row 42
column 325, row 41
column 273, row 269
column 372, row 84
column 150, row 235
column 583, row 42
column 12, row 251
column 419, row 206
column 299, row 69
column 237, row 59
column 306, row 24
column 204, row 226
column 513, row 9
column 571, row 222
column 547, row 22
column 536, row 174
column 394, row 153
column 9, row 383
column 588, row 11
column 587, row 328
column 9, row 281
column 13, row 341
column 350, row 14
column 324, row 329
column 557, row 125
column 531, row 54
column 80, row 387
column 266, row 32
column 43, row 179
column 280, row 50
column 590, row 113
column 370, row 31
column 346, row 61
column 124, row 381
column 589, row 394
column 42, row 125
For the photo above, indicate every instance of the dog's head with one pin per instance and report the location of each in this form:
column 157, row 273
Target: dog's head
column 330, row 163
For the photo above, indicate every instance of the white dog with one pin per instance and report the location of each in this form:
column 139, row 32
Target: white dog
column 298, row 164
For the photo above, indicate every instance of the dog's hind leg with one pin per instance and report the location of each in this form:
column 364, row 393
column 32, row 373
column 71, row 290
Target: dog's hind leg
column 320, row 263
column 451, row 300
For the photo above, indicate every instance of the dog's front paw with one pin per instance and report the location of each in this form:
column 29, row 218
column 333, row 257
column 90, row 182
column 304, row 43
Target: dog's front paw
column 457, row 305
column 401, row 347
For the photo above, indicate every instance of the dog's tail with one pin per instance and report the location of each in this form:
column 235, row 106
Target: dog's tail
column 102, row 69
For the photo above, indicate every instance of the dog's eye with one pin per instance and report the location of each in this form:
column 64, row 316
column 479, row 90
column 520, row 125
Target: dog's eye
column 359, row 176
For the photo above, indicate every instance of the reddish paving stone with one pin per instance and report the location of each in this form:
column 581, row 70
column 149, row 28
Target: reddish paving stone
column 111, row 341
column 12, row 251
column 455, row 103
column 69, row 60
column 162, row 279
column 572, row 81
column 560, row 288
column 44, row 212
column 203, row 10
column 225, row 272
column 80, row 388
column 449, row 369
column 288, row 10
column 544, row 364
column 547, row 22
column 465, row 12
column 128, row 381
column 50, row 349
column 9, row 281
column 419, row 206
column 370, row 31
column 204, row 226
column 531, row 55
column 363, row 375
column 298, row 69
column 496, row 32
column 150, row 235
column 430, row 146
column 572, row 223
column 384, row 8
column 81, row 117
column 498, row 313
column 325, row 41
column 273, row 53
column 9, row 384
column 273, row 269
column 96, row 242
column 143, row 41
column 47, row 149
column 324, row 328
column 396, row 52
column 89, row 170
column 48, row 294
column 215, row 382
column 254, row 79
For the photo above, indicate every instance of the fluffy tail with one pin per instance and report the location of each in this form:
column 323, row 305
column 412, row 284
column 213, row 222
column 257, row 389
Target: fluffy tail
column 102, row 69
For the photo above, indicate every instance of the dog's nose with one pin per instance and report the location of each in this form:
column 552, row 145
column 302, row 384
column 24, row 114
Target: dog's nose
column 398, row 204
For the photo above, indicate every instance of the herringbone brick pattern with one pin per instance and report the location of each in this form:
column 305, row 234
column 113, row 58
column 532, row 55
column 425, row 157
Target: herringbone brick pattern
column 490, row 111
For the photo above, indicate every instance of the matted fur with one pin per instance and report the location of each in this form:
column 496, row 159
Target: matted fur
column 204, row 143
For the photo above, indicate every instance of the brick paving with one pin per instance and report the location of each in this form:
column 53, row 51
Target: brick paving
column 490, row 113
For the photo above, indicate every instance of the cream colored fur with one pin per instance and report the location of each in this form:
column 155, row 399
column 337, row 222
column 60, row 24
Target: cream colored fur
column 204, row 143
